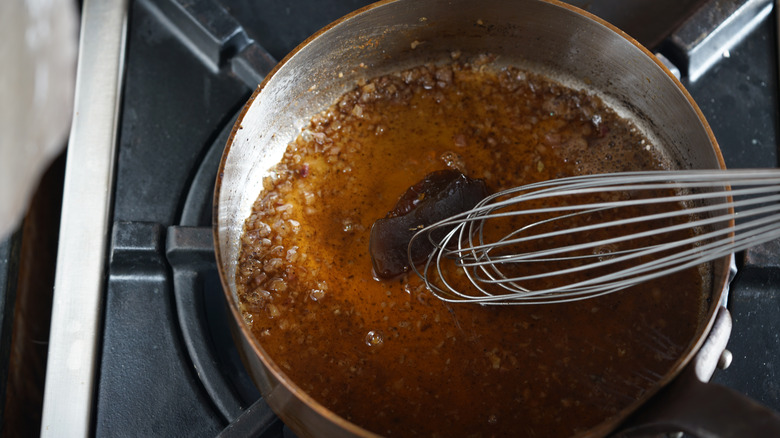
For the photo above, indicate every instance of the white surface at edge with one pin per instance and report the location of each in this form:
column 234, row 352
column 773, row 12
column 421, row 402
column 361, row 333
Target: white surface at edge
column 80, row 274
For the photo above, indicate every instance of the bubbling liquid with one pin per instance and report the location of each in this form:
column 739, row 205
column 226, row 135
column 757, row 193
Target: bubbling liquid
column 387, row 355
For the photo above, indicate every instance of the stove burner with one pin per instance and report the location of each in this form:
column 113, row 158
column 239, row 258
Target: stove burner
column 166, row 362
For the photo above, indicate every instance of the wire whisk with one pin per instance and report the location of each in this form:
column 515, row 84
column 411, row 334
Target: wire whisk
column 582, row 237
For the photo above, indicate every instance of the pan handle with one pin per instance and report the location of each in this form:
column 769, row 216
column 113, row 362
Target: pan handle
column 705, row 410
column 690, row 404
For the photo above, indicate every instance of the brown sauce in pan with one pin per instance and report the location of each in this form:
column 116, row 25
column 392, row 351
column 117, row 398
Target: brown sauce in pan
column 387, row 355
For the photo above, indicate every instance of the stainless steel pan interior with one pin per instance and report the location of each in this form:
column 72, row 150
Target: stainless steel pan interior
column 547, row 37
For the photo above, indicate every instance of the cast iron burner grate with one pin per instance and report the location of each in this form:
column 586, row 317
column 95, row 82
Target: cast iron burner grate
column 167, row 362
column 203, row 312
column 199, row 302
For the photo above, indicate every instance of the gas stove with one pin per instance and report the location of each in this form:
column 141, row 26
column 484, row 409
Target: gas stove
column 140, row 344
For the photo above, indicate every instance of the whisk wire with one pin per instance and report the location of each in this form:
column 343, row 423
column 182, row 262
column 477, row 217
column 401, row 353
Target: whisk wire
column 479, row 252
column 706, row 202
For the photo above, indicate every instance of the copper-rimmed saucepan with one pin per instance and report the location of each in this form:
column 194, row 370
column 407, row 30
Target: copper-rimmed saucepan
column 548, row 37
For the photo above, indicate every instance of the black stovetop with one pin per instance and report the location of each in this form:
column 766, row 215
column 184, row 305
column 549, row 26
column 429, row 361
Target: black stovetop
column 166, row 363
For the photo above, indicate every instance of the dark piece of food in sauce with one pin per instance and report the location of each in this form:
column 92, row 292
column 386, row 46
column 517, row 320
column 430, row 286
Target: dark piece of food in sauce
column 438, row 196
column 543, row 371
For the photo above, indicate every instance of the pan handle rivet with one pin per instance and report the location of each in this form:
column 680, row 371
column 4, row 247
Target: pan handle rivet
column 725, row 359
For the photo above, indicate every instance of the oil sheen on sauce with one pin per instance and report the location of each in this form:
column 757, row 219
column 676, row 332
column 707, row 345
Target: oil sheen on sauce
column 387, row 355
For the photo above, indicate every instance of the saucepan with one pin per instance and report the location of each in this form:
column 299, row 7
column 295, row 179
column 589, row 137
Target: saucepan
column 547, row 37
